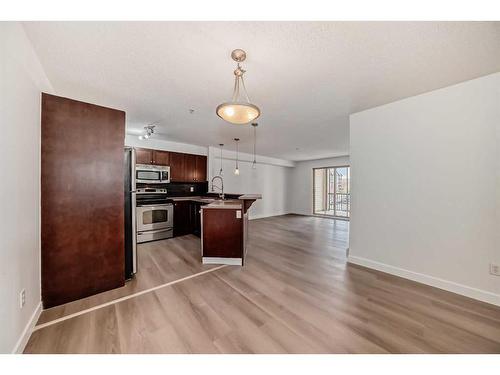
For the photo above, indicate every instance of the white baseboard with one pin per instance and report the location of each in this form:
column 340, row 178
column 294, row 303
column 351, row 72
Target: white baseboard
column 450, row 286
column 25, row 336
column 262, row 216
column 217, row 260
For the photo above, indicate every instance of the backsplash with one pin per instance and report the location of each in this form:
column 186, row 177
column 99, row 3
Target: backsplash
column 179, row 189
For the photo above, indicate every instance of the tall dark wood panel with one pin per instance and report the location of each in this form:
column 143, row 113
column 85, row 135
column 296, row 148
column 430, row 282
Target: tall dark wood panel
column 82, row 203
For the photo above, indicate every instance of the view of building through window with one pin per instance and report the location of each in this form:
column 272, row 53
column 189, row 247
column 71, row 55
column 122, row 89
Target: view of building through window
column 331, row 191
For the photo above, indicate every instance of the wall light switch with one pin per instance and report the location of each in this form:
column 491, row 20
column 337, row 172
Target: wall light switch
column 22, row 298
column 238, row 214
column 495, row 269
column 191, row 189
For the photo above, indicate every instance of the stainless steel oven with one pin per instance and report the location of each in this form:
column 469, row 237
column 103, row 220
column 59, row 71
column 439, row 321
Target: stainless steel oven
column 154, row 221
column 152, row 174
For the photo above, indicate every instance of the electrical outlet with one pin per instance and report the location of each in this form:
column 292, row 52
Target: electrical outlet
column 22, row 298
column 495, row 269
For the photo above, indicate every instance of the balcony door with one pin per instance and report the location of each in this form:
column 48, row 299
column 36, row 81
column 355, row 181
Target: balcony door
column 332, row 191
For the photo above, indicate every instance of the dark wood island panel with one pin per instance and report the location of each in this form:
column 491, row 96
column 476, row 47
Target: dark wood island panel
column 222, row 233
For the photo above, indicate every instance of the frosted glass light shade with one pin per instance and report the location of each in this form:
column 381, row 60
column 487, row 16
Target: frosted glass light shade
column 238, row 113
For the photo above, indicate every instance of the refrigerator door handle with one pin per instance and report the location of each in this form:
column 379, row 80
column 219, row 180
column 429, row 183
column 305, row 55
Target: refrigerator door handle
column 134, row 205
column 134, row 235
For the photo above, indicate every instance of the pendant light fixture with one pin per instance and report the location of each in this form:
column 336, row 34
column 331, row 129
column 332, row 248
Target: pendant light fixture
column 237, row 170
column 220, row 146
column 238, row 111
column 254, row 163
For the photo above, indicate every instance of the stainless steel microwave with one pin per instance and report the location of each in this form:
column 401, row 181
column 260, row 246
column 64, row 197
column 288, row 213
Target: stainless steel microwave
column 152, row 174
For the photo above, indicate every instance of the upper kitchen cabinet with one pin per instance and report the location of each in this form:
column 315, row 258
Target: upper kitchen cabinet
column 183, row 167
column 190, row 167
column 195, row 168
column 201, row 168
column 143, row 156
column 148, row 156
column 161, row 157
column 177, row 167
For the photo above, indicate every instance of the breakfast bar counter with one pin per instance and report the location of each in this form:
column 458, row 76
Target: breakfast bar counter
column 224, row 230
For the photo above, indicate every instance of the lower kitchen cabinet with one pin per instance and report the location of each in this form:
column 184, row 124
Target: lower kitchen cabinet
column 182, row 218
column 187, row 218
column 196, row 218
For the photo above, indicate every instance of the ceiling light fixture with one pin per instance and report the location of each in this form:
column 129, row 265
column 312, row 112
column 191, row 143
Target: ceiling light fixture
column 238, row 111
column 149, row 129
column 254, row 164
column 220, row 146
column 237, row 170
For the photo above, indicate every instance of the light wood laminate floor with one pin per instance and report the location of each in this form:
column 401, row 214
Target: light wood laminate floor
column 296, row 294
column 159, row 262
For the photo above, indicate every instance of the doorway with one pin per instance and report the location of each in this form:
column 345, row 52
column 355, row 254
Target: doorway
column 332, row 191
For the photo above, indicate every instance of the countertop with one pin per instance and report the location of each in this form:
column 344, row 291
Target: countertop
column 250, row 197
column 233, row 204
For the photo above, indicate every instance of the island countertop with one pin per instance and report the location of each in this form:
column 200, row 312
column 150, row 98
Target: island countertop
column 242, row 201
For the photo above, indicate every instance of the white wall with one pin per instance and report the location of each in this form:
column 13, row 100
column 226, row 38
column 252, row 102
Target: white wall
column 21, row 81
column 270, row 179
column 300, row 199
column 159, row 144
column 426, row 188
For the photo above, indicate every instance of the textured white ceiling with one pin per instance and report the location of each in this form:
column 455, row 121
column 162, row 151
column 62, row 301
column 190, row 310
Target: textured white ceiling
column 307, row 77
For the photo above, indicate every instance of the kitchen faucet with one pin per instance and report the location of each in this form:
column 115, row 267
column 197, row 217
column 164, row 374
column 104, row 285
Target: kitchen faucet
column 221, row 188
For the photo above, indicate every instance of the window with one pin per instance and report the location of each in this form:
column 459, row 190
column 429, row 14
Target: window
column 332, row 191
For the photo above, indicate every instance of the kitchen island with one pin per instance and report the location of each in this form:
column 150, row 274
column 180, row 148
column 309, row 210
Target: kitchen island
column 224, row 230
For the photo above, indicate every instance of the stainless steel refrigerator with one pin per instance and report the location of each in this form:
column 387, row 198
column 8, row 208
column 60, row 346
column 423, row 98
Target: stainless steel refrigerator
column 130, row 222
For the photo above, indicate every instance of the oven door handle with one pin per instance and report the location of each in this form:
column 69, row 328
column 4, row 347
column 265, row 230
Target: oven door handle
column 154, row 205
column 155, row 231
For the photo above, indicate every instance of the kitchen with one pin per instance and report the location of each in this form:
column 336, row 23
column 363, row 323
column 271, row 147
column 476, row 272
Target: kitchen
column 164, row 205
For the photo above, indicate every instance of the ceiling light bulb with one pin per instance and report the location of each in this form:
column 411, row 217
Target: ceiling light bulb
column 237, row 172
column 146, row 136
column 141, row 137
column 254, row 165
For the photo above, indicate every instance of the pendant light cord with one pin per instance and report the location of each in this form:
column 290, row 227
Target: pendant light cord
column 245, row 89
column 220, row 172
column 236, row 89
column 254, row 143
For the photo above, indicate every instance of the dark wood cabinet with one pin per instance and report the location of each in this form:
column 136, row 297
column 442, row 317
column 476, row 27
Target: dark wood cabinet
column 148, row 156
column 196, row 218
column 161, row 157
column 183, row 167
column 143, row 156
column 222, row 233
column 200, row 168
column 182, row 218
column 187, row 218
column 189, row 167
column 177, row 167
